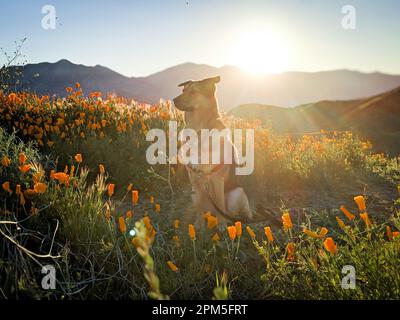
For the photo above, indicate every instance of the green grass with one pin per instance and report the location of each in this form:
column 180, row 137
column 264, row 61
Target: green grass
column 76, row 227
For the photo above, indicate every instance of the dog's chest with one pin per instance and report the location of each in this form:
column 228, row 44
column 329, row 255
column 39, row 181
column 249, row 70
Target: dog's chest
column 208, row 149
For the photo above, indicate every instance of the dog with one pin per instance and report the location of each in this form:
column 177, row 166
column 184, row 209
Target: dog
column 214, row 186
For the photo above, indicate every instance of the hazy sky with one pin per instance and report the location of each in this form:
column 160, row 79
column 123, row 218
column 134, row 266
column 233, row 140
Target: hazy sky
column 138, row 38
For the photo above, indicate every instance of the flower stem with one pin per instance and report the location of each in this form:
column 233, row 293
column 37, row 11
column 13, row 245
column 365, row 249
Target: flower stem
column 194, row 252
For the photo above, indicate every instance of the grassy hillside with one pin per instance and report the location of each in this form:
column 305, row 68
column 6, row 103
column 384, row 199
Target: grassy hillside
column 78, row 194
column 375, row 118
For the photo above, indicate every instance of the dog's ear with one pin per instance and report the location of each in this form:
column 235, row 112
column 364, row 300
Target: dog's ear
column 216, row 79
column 185, row 83
column 212, row 80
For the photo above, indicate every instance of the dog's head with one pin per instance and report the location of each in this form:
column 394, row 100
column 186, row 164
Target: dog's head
column 197, row 95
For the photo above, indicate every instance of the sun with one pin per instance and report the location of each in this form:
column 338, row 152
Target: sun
column 260, row 51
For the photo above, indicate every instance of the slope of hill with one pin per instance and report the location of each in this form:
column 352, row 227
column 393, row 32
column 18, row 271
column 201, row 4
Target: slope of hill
column 53, row 78
column 236, row 86
column 376, row 118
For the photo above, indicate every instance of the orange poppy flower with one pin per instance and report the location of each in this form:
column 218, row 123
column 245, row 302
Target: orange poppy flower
column 122, row 225
column 22, row 158
column 268, row 233
column 176, row 223
column 212, row 222
column 135, row 196
column 102, row 169
column 157, row 208
column 360, row 203
column 6, row 187
column 61, row 177
column 323, row 232
column 290, row 249
column 310, row 233
column 40, row 187
column 78, row 157
column 151, row 199
column 340, row 223
column 251, row 232
column 25, row 168
column 110, row 189
column 330, row 245
column 287, row 221
column 192, row 232
column 347, row 213
column 5, row 161
column 238, row 226
column 232, row 232
column 129, row 214
column 172, row 266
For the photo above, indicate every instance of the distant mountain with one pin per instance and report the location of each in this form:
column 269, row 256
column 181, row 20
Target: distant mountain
column 53, row 78
column 236, row 87
column 376, row 118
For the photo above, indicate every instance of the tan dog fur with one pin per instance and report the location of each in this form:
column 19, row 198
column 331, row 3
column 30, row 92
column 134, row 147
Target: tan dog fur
column 214, row 189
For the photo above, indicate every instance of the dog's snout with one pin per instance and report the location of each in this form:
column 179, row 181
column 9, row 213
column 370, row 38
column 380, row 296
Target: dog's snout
column 180, row 104
column 177, row 100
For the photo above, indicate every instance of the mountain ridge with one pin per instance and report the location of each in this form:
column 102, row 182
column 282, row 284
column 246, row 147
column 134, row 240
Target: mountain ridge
column 237, row 87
